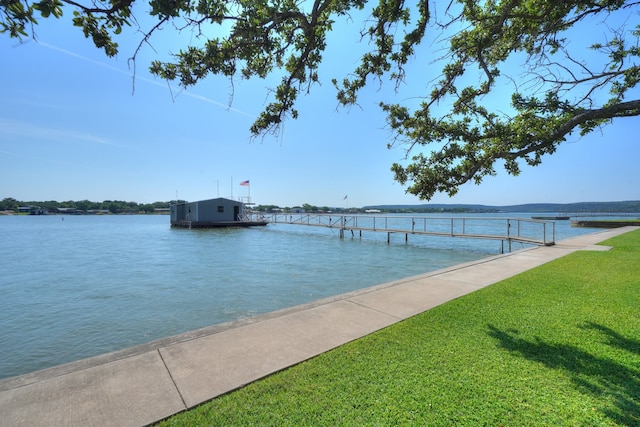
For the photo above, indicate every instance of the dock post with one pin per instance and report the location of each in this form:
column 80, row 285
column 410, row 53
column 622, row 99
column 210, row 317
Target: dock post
column 388, row 238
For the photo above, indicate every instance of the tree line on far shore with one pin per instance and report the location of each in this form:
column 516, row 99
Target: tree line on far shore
column 120, row 207
column 111, row 206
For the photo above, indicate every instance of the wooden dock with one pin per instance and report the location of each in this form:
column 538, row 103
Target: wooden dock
column 507, row 230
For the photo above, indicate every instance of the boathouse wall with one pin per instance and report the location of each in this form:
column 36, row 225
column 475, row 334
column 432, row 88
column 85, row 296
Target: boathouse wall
column 207, row 211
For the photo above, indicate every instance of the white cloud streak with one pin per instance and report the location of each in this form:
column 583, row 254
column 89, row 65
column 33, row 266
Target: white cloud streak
column 146, row 80
column 25, row 130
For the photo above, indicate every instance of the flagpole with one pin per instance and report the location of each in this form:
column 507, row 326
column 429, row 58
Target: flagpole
column 247, row 184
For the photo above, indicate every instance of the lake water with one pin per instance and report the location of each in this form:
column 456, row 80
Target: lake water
column 78, row 286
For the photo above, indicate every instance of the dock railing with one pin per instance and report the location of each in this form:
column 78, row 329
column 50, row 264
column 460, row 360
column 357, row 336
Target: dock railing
column 524, row 230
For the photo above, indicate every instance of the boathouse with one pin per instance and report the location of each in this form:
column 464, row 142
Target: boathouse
column 219, row 212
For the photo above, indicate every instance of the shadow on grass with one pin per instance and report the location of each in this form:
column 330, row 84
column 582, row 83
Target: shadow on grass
column 615, row 339
column 605, row 378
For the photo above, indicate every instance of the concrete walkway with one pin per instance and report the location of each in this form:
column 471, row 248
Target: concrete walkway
column 147, row 383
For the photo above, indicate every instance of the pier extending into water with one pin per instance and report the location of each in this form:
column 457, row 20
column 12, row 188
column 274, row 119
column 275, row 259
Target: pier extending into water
column 522, row 230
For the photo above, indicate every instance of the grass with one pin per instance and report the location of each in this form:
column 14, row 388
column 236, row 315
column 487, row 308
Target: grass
column 556, row 345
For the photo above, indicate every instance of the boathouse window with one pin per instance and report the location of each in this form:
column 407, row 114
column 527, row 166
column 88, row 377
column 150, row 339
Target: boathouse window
column 220, row 209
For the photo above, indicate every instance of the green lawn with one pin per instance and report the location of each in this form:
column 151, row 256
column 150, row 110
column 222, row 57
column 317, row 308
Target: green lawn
column 558, row 345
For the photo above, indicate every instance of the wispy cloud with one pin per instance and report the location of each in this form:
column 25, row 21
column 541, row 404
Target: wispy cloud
column 6, row 155
column 23, row 130
column 162, row 84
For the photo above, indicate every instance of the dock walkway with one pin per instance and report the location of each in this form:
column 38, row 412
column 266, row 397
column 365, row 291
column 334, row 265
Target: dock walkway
column 522, row 230
column 147, row 383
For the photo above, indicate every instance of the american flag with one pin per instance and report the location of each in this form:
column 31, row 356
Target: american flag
column 245, row 183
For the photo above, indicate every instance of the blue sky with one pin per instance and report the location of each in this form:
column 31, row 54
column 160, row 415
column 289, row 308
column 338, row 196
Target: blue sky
column 71, row 129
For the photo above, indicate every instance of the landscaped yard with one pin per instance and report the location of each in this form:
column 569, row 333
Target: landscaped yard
column 558, row 345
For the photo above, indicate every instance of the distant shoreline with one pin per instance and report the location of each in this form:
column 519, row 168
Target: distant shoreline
column 13, row 213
